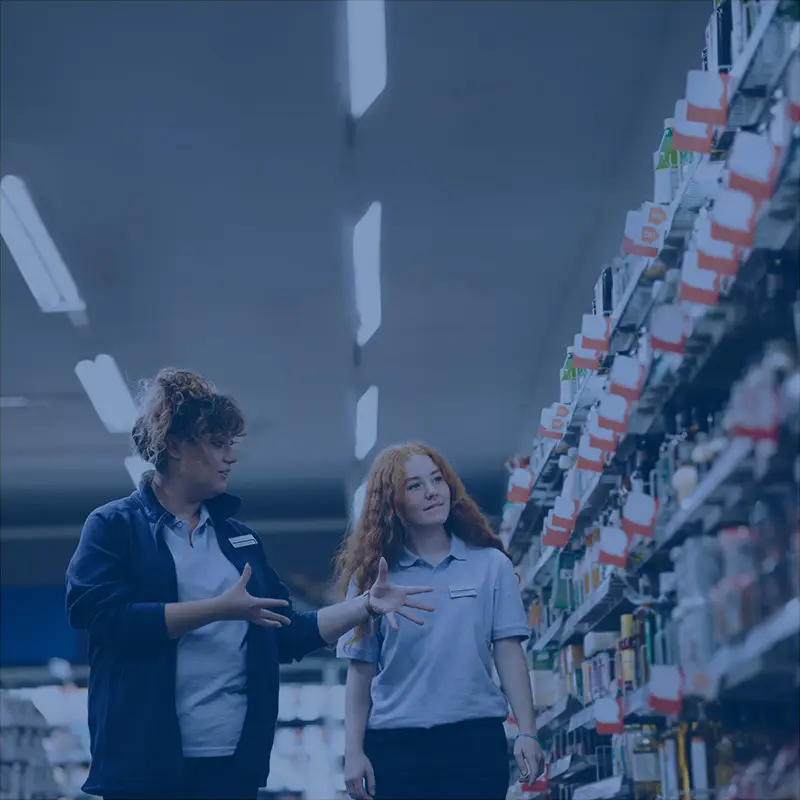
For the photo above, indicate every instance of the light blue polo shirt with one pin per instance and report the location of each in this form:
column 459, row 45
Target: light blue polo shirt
column 211, row 677
column 441, row 672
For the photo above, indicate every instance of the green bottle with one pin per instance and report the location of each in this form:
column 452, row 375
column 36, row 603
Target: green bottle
column 667, row 168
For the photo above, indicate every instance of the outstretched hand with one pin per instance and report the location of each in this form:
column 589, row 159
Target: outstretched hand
column 238, row 603
column 390, row 599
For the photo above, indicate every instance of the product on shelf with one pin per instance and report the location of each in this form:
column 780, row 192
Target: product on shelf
column 25, row 770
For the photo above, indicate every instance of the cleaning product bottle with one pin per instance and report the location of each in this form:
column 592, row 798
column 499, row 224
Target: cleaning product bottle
column 568, row 380
column 627, row 650
column 667, row 168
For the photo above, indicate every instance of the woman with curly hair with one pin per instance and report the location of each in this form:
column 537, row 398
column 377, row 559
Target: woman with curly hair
column 423, row 715
column 187, row 621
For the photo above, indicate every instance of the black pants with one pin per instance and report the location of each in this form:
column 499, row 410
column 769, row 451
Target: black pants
column 205, row 779
column 464, row 761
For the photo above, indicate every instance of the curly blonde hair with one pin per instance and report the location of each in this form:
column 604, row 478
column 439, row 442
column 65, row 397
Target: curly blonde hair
column 182, row 405
column 380, row 530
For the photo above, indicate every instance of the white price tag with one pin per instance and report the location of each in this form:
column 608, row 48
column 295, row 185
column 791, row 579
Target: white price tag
column 688, row 136
column 554, row 536
column 755, row 409
column 520, row 485
column 589, row 458
column 609, row 715
column 668, row 329
column 753, row 165
column 715, row 255
column 627, row 378
column 601, row 438
column 706, row 97
column 565, row 512
column 639, row 514
column 553, row 421
column 665, row 689
column 699, row 286
column 595, row 332
column 733, row 218
column 583, row 358
column 614, row 547
column 645, row 230
column 613, row 413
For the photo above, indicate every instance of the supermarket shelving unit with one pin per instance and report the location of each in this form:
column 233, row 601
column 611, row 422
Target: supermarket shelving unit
column 309, row 739
column 723, row 339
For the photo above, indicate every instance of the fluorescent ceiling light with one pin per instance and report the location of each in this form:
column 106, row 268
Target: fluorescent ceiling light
column 366, row 422
column 366, row 53
column 137, row 467
column 359, row 499
column 367, row 272
column 14, row 402
column 34, row 251
column 106, row 388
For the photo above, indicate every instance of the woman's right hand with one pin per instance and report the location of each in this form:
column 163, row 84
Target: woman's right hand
column 358, row 774
column 237, row 603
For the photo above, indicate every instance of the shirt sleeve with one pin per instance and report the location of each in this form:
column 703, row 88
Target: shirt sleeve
column 509, row 620
column 99, row 596
column 366, row 647
column 302, row 636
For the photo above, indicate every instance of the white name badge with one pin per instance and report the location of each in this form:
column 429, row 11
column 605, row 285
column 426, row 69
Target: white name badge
column 243, row 541
column 463, row 591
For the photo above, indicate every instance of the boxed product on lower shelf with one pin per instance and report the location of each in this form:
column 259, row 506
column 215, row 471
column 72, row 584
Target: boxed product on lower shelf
column 25, row 770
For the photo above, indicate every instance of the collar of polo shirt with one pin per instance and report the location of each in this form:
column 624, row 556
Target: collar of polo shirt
column 204, row 517
column 458, row 551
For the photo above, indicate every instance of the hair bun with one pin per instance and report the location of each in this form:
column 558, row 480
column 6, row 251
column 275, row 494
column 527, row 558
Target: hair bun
column 180, row 385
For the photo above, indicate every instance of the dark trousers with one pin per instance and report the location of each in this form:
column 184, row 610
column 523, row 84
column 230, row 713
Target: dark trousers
column 205, row 779
column 464, row 761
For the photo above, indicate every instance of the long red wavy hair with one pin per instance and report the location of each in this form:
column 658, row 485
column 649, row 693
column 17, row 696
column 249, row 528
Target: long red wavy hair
column 380, row 530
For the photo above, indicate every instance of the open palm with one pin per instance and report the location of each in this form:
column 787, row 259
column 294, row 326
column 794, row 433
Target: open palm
column 390, row 599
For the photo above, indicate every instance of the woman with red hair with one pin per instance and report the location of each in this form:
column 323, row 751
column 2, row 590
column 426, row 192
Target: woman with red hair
column 424, row 716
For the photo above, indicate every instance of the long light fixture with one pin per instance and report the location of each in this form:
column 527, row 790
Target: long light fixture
column 367, row 272
column 34, row 251
column 366, row 53
column 105, row 386
column 359, row 498
column 9, row 401
column 137, row 467
column 366, row 422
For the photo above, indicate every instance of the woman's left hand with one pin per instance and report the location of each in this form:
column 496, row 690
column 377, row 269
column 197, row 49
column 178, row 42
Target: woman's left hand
column 529, row 757
column 389, row 599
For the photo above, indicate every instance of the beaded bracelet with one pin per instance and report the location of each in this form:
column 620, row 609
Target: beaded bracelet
column 374, row 615
column 530, row 736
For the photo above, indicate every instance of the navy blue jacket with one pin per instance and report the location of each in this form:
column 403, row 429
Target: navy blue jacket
column 118, row 581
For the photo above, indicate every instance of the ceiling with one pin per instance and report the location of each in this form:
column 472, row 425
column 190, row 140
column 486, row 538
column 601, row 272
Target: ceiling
column 192, row 163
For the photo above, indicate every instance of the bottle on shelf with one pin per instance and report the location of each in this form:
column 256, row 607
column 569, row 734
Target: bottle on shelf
column 627, row 654
column 569, row 380
column 685, row 478
column 668, row 763
column 701, row 748
column 644, row 763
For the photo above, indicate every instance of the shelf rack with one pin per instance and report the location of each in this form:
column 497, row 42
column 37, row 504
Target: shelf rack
column 768, row 657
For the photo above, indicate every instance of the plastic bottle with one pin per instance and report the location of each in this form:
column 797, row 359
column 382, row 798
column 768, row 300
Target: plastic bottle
column 667, row 168
column 568, row 379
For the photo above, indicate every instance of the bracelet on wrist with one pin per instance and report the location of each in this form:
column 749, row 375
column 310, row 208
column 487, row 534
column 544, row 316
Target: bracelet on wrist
column 373, row 614
column 529, row 736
